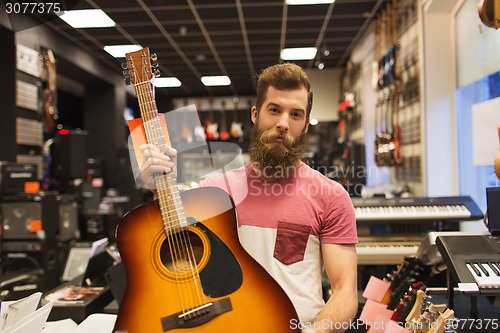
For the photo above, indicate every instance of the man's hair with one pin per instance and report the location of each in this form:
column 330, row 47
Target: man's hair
column 283, row 76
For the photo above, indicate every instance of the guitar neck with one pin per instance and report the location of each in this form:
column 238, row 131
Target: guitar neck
column 140, row 70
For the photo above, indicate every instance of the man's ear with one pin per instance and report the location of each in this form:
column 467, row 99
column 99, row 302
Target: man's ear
column 254, row 114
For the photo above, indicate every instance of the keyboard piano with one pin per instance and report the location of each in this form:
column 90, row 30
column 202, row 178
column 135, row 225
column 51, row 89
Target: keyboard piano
column 390, row 229
column 486, row 273
column 385, row 252
column 471, row 259
column 418, row 208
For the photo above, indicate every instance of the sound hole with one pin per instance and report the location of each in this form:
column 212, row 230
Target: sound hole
column 181, row 252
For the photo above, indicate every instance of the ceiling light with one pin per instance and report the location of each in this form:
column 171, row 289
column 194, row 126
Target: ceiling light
column 166, row 82
column 119, row 51
column 308, row 2
column 87, row 18
column 313, row 122
column 210, row 81
column 299, row 53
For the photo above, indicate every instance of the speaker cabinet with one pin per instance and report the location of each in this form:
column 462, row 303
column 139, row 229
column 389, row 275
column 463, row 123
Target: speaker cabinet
column 70, row 154
column 38, row 256
column 68, row 218
column 13, row 176
column 30, row 216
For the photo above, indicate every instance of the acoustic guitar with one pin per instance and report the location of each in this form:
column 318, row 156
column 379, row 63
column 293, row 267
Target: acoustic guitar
column 186, row 270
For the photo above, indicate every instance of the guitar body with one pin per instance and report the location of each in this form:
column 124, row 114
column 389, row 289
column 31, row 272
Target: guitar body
column 250, row 299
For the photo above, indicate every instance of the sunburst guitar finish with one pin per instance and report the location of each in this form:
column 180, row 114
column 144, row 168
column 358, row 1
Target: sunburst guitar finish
column 160, row 291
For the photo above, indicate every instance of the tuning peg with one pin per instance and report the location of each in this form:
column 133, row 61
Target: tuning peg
column 156, row 72
column 126, row 73
column 155, row 64
column 124, row 65
column 154, row 57
column 127, row 81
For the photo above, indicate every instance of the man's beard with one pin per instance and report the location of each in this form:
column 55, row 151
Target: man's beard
column 275, row 159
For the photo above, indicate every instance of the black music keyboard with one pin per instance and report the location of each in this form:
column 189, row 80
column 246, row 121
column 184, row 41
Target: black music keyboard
column 471, row 259
column 459, row 208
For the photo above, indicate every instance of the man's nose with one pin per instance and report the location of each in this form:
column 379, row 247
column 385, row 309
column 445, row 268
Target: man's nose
column 283, row 122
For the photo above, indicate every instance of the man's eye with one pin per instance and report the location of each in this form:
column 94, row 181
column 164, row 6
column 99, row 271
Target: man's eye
column 274, row 110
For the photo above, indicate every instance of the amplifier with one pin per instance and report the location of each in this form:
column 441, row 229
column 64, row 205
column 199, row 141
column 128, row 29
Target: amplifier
column 13, row 176
column 30, row 216
column 68, row 218
column 26, row 256
column 69, row 154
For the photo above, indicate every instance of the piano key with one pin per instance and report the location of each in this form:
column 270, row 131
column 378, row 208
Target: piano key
column 484, row 281
column 474, row 268
column 384, row 253
column 494, row 269
column 485, row 272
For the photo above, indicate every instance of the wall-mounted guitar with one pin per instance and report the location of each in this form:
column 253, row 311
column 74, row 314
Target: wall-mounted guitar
column 189, row 274
column 387, row 28
column 236, row 130
column 489, row 12
column 50, row 97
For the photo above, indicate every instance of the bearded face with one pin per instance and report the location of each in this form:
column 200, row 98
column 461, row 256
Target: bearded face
column 275, row 153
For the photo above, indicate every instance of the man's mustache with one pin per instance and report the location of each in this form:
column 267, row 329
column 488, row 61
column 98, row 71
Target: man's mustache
column 270, row 136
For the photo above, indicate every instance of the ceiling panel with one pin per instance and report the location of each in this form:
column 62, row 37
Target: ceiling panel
column 234, row 37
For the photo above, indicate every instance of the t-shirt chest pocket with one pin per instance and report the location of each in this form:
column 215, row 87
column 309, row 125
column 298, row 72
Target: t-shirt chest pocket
column 291, row 242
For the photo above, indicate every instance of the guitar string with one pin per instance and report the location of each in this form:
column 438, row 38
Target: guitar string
column 144, row 114
column 180, row 232
column 184, row 234
column 148, row 124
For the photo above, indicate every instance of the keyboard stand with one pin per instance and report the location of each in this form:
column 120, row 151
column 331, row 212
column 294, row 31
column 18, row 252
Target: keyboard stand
column 451, row 284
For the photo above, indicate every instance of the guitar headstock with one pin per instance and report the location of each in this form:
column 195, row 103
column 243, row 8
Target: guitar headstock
column 408, row 302
column 442, row 323
column 416, row 310
column 141, row 66
column 429, row 319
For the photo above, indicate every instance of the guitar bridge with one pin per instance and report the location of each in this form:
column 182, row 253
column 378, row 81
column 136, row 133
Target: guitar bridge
column 196, row 316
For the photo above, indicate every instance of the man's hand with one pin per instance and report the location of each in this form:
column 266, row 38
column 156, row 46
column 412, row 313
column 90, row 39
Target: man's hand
column 155, row 161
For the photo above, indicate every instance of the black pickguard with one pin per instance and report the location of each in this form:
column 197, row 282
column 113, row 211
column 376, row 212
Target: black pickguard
column 222, row 274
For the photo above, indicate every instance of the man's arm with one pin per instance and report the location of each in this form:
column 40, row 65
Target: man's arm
column 341, row 267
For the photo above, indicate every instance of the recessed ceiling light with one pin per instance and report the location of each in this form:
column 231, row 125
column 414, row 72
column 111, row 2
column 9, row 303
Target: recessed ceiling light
column 298, row 53
column 87, row 18
column 211, row 81
column 167, row 82
column 119, row 51
column 308, row 2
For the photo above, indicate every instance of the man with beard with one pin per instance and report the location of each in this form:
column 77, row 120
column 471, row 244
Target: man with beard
column 291, row 219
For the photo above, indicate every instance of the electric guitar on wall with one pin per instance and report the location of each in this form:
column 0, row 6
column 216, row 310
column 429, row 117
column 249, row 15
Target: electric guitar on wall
column 51, row 113
column 186, row 270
